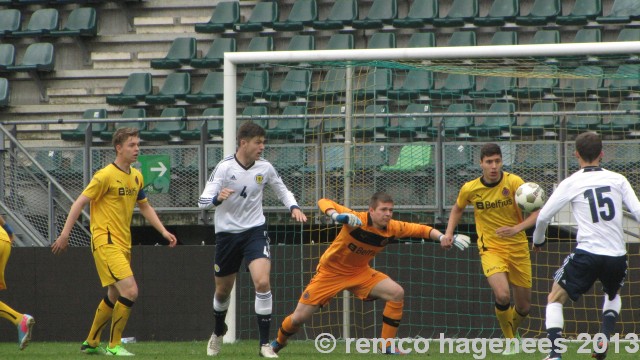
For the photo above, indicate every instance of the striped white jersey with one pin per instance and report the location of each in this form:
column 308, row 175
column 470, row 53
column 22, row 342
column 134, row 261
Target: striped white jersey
column 596, row 196
column 243, row 209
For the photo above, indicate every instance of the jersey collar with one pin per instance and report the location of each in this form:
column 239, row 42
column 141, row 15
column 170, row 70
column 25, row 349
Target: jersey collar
column 495, row 183
column 591, row 168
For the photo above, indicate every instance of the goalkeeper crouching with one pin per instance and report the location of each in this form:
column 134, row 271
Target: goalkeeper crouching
column 345, row 264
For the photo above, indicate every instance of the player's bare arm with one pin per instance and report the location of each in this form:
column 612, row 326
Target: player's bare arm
column 150, row 214
column 530, row 221
column 298, row 215
column 62, row 242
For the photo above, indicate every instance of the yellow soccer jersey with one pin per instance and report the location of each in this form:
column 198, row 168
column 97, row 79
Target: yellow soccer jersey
column 4, row 236
column 113, row 195
column 494, row 206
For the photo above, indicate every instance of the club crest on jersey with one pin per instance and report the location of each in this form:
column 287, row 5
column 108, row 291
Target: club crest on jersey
column 259, row 179
column 505, row 192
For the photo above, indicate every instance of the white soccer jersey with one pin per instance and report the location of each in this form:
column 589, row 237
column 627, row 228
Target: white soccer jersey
column 243, row 209
column 596, row 197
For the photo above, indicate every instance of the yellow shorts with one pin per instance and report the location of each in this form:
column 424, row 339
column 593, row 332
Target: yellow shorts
column 5, row 251
column 113, row 263
column 516, row 264
column 325, row 284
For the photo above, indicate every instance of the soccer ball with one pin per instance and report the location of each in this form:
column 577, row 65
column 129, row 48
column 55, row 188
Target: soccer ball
column 530, row 197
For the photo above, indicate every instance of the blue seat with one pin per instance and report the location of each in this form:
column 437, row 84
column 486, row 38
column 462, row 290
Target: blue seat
column 342, row 14
column 166, row 130
column 82, row 21
column 136, row 88
column 78, row 134
column 501, row 12
column 42, row 22
column 421, row 13
column 583, row 11
column 303, row 13
column 380, row 13
column 264, row 14
column 224, row 16
column 461, row 12
column 215, row 55
column 175, row 87
column 181, row 52
column 10, row 20
column 211, row 91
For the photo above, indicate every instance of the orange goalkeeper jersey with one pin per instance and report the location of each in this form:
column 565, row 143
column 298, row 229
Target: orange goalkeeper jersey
column 354, row 247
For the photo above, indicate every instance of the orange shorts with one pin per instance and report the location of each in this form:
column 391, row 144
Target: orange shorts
column 326, row 284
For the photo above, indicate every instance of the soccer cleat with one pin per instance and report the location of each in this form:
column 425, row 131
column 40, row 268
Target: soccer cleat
column 25, row 328
column 276, row 346
column 118, row 350
column 389, row 351
column 599, row 356
column 510, row 351
column 214, row 345
column 267, row 351
column 92, row 350
column 553, row 357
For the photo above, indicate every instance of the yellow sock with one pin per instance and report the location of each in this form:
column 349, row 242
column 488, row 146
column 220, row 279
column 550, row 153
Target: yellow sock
column 517, row 319
column 119, row 319
column 8, row 313
column 505, row 318
column 100, row 320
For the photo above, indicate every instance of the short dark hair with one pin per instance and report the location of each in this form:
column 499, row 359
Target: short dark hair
column 589, row 146
column 122, row 134
column 249, row 130
column 379, row 197
column 490, row 149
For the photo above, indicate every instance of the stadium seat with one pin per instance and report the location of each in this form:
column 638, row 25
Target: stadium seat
column 496, row 86
column 413, row 157
column 500, row 12
column 380, row 13
column 175, row 87
column 166, row 130
column 211, row 91
column 214, row 126
column 295, row 85
column 7, row 56
column 538, row 125
column 82, row 21
column 290, row 129
column 130, row 113
column 342, row 14
column 622, row 12
column 537, row 87
column 37, row 57
column 4, row 92
column 137, row 87
column 78, row 134
column 454, row 86
column 264, row 14
column 421, row 13
column 588, row 79
column 542, row 12
column 340, row 42
column 621, row 125
column 578, row 123
column 409, row 176
column 224, row 16
column 42, row 22
column 455, row 126
column 504, row 38
column 623, row 82
column 302, row 43
column 382, row 40
column 333, row 122
column 333, row 84
column 261, row 43
column 368, row 158
column 256, row 114
column 373, row 123
column 461, row 12
column 255, row 84
column 417, row 82
column 286, row 159
column 377, row 83
column 215, row 55
column 425, row 39
column 181, row 52
column 496, row 126
column 546, row 37
column 582, row 12
column 303, row 13
column 456, row 159
column 462, row 38
column 537, row 161
column 588, row 36
column 10, row 21
column 414, row 127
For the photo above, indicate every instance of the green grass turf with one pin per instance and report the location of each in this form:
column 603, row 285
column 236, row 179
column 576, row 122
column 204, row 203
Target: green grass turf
column 248, row 350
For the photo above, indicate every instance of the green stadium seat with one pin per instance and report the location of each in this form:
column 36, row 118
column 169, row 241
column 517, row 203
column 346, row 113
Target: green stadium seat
column 264, row 14
column 333, row 84
column 456, row 158
column 455, row 126
column 622, row 12
column 454, row 86
column 261, row 43
column 496, row 126
column 295, row 85
column 130, row 113
column 380, row 13
column 373, row 123
column 417, row 82
column 302, row 43
column 623, row 82
column 333, row 122
column 211, row 91
column 340, row 42
column 78, row 134
column 542, row 12
column 214, row 126
column 504, row 38
column 215, row 55
column 382, row 40
column 588, row 79
column 342, row 14
column 290, row 129
column 42, row 22
column 82, row 21
column 462, row 38
column 578, row 123
column 4, row 92
column 425, row 39
column 181, row 52
column 496, row 86
column 303, row 13
column 255, row 84
column 368, row 158
column 582, row 12
column 137, row 87
column 421, row 13
column 546, row 37
column 10, row 21
column 461, row 12
column 166, row 130
column 537, row 87
column 286, row 159
column 376, row 83
column 538, row 125
column 175, row 87
column 622, row 125
column 500, row 12
column 414, row 127
column 7, row 56
column 255, row 112
column 38, row 57
column 588, row 36
column 224, row 16
column 537, row 161
column 413, row 157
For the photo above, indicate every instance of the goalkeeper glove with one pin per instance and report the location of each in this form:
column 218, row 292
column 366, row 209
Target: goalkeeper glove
column 461, row 241
column 346, row 218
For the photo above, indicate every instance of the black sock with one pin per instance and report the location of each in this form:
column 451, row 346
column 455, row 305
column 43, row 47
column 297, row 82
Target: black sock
column 609, row 319
column 554, row 334
column 220, row 327
column 264, row 324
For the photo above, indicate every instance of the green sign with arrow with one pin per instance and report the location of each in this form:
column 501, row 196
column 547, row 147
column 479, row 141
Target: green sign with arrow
column 156, row 170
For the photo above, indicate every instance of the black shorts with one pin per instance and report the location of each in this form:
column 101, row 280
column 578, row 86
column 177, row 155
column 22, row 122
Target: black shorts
column 581, row 269
column 231, row 248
